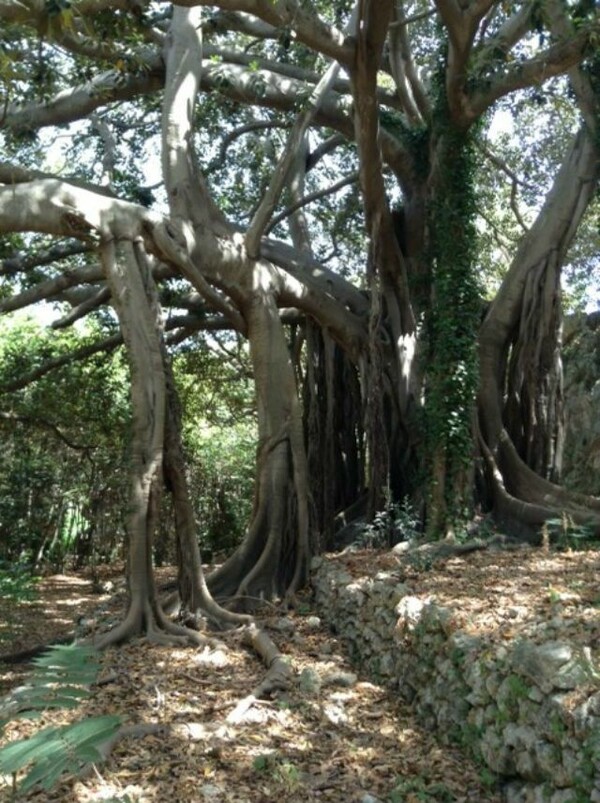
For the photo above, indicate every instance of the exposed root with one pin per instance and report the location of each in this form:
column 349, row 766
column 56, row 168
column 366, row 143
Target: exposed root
column 442, row 550
column 278, row 677
column 128, row 628
column 155, row 626
column 165, row 640
column 551, row 504
column 279, row 674
column 216, row 611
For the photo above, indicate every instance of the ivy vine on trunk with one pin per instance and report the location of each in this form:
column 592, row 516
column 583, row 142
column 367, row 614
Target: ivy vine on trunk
column 452, row 326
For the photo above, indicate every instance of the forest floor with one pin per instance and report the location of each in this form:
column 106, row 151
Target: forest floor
column 345, row 739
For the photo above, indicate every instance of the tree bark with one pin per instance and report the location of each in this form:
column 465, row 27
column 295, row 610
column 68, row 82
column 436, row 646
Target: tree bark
column 272, row 561
column 195, row 598
column 527, row 294
column 136, row 303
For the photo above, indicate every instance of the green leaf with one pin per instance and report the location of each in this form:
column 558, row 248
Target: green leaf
column 56, row 750
column 94, row 730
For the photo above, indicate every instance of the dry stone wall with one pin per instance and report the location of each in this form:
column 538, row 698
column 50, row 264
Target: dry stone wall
column 528, row 711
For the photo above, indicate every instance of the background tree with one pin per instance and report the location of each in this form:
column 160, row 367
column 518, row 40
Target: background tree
column 254, row 108
column 63, row 459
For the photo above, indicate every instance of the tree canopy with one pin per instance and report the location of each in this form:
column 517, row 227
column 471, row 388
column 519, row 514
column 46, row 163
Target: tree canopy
column 329, row 182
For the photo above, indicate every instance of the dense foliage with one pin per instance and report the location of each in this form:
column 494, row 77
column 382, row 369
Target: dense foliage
column 65, row 459
column 330, row 238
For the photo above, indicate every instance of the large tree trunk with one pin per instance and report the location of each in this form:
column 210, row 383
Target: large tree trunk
column 135, row 299
column 452, row 324
column 272, row 561
column 387, row 372
column 331, row 401
column 518, row 493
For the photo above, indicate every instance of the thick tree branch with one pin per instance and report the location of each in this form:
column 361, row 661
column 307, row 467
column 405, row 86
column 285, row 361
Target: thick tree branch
column 98, row 299
column 270, row 199
column 19, row 263
column 50, row 287
column 454, row 19
column 225, row 21
column 546, row 242
column 177, row 251
column 512, row 30
column 35, row 421
column 58, row 207
column 184, row 182
column 373, row 29
column 11, row 173
column 74, row 104
column 587, row 96
column 261, row 88
column 409, row 86
column 558, row 59
column 461, row 31
column 315, row 275
column 293, row 15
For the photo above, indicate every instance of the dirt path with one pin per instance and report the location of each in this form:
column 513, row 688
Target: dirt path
column 335, row 736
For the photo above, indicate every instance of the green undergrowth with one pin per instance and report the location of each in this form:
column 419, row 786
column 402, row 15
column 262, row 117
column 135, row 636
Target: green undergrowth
column 61, row 679
column 17, row 583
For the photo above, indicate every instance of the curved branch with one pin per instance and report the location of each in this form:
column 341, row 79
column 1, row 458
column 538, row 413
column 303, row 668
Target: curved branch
column 325, row 147
column 313, row 196
column 32, row 420
column 45, row 290
column 107, row 345
column 74, row 104
column 294, row 15
column 23, row 262
column 558, row 59
column 257, row 125
column 98, row 299
column 263, row 214
column 315, row 275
